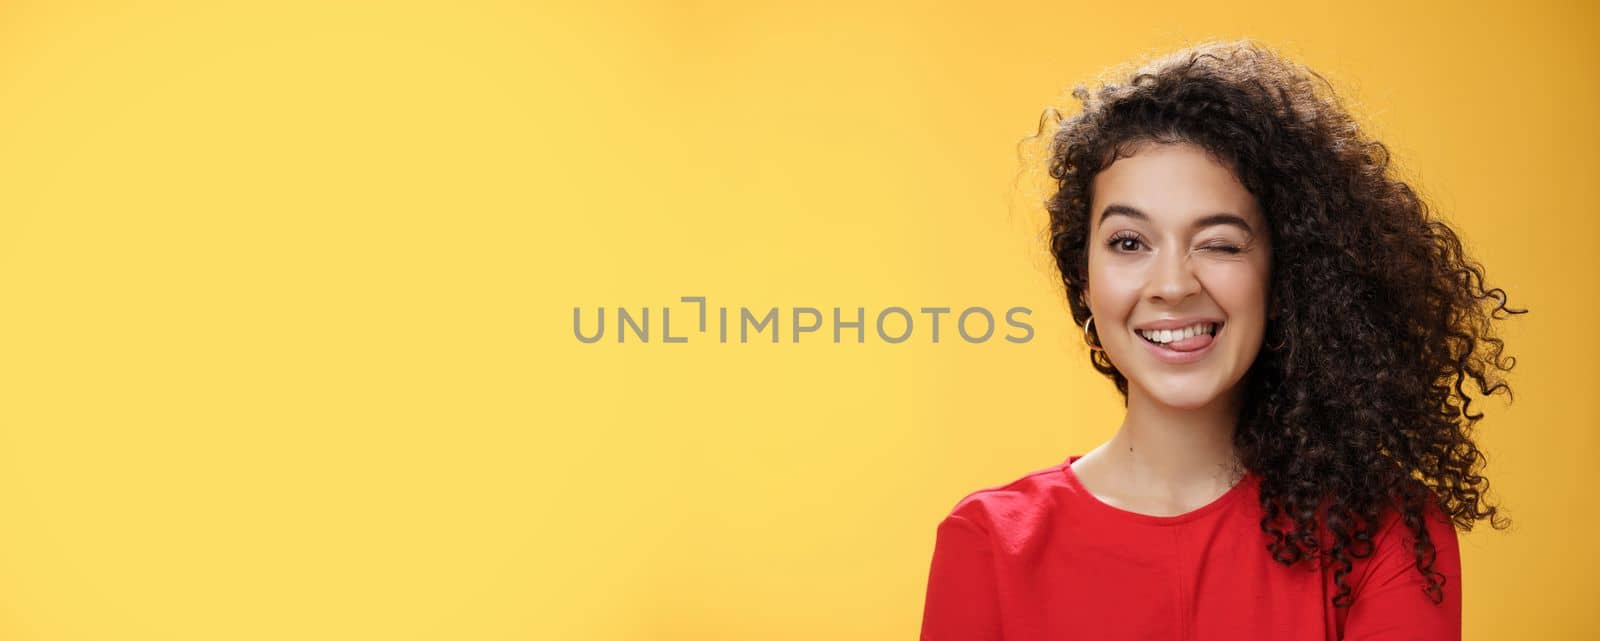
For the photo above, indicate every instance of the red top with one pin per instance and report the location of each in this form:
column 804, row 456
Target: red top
column 1041, row 559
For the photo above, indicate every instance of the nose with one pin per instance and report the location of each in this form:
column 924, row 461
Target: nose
column 1173, row 280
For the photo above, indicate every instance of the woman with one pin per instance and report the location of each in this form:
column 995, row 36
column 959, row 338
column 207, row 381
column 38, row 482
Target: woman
column 1293, row 336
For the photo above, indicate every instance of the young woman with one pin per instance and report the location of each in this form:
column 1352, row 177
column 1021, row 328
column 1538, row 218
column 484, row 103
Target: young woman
column 1293, row 336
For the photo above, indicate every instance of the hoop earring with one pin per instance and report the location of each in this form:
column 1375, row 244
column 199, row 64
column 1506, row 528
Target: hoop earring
column 1092, row 345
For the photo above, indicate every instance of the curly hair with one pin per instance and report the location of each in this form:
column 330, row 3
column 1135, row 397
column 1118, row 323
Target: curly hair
column 1357, row 402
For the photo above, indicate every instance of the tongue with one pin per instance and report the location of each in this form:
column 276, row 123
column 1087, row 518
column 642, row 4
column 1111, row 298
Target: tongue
column 1192, row 343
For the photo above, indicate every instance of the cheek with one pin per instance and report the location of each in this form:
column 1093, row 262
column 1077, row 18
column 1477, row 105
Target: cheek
column 1112, row 298
column 1240, row 288
column 1111, row 276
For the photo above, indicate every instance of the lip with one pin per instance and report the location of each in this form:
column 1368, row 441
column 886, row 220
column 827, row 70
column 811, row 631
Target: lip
column 1177, row 323
column 1179, row 358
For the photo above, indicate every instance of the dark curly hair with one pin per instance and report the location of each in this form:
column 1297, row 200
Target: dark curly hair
column 1357, row 402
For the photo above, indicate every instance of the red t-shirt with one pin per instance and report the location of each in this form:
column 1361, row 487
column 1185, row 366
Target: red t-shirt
column 1042, row 559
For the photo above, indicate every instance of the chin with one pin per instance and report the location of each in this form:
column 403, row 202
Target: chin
column 1179, row 395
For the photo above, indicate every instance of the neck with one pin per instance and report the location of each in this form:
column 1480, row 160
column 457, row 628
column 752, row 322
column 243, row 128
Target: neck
column 1161, row 446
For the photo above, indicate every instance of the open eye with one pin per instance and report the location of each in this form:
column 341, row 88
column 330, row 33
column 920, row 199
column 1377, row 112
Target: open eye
column 1124, row 241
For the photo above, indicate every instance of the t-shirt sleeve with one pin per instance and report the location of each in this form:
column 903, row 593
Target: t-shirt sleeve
column 1390, row 604
column 962, row 603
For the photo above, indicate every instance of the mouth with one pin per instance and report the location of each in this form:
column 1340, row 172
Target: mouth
column 1184, row 345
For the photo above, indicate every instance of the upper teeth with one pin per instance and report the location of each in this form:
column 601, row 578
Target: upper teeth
column 1170, row 335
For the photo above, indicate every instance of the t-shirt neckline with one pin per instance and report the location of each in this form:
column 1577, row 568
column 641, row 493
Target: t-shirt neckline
column 1227, row 498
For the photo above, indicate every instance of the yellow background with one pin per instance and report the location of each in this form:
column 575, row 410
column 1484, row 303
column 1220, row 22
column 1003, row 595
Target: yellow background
column 286, row 349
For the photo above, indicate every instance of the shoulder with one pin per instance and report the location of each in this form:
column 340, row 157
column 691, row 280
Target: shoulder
column 1395, row 533
column 1016, row 504
column 1394, row 549
column 1392, row 597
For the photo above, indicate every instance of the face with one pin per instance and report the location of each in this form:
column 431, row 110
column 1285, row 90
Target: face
column 1179, row 255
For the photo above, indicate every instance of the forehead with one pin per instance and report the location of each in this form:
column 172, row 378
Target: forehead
column 1172, row 183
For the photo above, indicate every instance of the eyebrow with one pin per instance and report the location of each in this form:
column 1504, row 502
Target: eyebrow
column 1220, row 218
